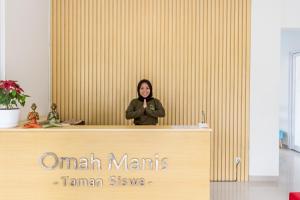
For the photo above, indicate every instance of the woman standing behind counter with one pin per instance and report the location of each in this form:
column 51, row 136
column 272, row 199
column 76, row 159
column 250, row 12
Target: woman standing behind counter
column 145, row 109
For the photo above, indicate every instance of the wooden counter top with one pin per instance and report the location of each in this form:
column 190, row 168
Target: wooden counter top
column 111, row 128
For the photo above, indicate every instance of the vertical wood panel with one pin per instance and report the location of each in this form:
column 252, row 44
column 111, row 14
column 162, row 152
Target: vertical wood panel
column 195, row 52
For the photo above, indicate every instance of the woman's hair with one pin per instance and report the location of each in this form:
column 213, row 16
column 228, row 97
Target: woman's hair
column 139, row 87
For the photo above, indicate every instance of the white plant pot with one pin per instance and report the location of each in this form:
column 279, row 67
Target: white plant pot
column 9, row 118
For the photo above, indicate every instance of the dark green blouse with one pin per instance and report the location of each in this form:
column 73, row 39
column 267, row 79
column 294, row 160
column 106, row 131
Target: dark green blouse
column 145, row 116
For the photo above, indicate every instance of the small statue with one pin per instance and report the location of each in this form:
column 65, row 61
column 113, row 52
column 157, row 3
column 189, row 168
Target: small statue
column 53, row 118
column 33, row 116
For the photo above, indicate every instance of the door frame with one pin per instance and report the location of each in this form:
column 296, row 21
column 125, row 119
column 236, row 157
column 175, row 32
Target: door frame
column 292, row 85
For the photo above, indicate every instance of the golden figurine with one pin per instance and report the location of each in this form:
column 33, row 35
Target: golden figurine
column 53, row 118
column 33, row 116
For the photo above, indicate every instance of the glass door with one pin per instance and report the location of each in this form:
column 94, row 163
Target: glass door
column 296, row 102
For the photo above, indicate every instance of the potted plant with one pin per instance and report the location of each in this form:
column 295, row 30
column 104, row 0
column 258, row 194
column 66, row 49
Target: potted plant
column 11, row 94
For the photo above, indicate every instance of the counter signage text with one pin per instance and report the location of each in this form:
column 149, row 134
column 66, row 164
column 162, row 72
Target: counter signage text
column 118, row 164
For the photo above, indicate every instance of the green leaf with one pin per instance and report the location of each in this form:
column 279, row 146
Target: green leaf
column 14, row 93
column 21, row 100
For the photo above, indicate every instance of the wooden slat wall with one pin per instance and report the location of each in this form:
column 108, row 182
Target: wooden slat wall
column 195, row 52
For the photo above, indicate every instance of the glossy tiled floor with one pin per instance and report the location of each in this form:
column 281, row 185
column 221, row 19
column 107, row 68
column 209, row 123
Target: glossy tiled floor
column 289, row 180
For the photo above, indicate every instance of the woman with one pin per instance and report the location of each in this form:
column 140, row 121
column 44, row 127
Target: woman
column 145, row 109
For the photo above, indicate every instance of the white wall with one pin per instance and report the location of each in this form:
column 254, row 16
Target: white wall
column 290, row 42
column 27, row 49
column 290, row 14
column 264, row 83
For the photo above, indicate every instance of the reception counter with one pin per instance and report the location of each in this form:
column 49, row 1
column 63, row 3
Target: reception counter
column 105, row 162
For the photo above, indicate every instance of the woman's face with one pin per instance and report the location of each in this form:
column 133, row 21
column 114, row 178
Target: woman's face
column 144, row 90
